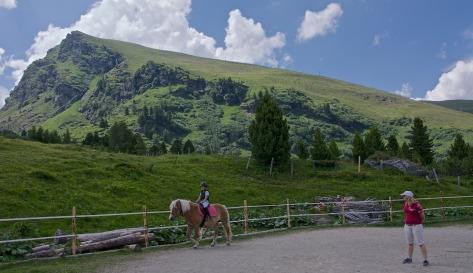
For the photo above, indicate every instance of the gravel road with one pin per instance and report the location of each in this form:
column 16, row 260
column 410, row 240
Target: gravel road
column 354, row 249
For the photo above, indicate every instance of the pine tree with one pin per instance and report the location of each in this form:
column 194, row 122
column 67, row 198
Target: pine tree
column 45, row 137
column 139, row 146
column 393, row 146
column 23, row 133
column 301, row 150
column 162, row 148
column 54, row 137
column 39, row 134
column 459, row 149
column 154, row 150
column 358, row 149
column 66, row 139
column 269, row 133
column 188, row 147
column 420, row 142
column 334, row 151
column 120, row 138
column 373, row 142
column 176, row 147
column 89, row 139
column 319, row 149
column 406, row 151
column 32, row 133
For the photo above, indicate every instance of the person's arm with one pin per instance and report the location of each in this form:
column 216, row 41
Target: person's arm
column 420, row 210
column 199, row 198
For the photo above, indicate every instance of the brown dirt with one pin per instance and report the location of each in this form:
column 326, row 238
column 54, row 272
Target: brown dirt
column 355, row 249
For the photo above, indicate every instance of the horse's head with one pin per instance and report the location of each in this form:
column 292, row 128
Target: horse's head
column 178, row 208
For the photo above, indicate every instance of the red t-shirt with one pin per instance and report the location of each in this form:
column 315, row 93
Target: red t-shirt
column 412, row 214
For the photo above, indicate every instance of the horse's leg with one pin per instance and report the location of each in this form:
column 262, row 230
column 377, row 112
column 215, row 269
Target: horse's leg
column 228, row 233
column 196, row 237
column 189, row 235
column 214, row 240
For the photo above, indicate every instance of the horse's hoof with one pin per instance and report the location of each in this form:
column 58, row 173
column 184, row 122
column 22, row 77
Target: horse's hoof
column 195, row 247
column 212, row 245
column 228, row 244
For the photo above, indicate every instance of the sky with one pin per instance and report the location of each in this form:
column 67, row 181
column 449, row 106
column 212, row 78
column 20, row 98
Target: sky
column 418, row 49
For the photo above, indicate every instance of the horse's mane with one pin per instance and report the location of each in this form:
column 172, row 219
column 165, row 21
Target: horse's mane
column 185, row 205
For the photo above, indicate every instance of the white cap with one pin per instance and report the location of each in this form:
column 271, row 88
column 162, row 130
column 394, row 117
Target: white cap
column 408, row 194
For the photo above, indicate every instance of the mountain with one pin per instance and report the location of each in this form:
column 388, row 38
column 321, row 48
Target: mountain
column 458, row 105
column 167, row 95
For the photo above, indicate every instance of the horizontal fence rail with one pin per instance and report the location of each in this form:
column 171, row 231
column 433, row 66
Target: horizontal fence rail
column 286, row 216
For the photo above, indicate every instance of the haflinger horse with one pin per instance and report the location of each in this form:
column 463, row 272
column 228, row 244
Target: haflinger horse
column 194, row 217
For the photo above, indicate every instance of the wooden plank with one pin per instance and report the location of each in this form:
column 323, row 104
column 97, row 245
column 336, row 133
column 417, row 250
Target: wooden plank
column 245, row 214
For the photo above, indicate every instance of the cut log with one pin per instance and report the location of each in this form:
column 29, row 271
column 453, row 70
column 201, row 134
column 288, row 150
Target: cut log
column 102, row 236
column 42, row 254
column 40, row 248
column 130, row 239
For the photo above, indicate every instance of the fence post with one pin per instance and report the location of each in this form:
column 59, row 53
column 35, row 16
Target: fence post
column 288, row 213
column 359, row 164
column 458, row 181
column 436, row 177
column 74, row 231
column 248, row 163
column 343, row 210
column 390, row 209
column 245, row 215
column 271, row 168
column 442, row 205
column 145, row 225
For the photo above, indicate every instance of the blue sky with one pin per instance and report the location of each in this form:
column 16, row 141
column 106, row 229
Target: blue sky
column 406, row 46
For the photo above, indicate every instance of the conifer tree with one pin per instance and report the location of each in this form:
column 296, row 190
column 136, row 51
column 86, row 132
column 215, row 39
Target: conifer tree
column 66, row 139
column 459, row 149
column 269, row 133
column 162, row 148
column 319, row 149
column 393, row 146
column 373, row 142
column 420, row 142
column 301, row 150
column 334, row 151
column 188, row 147
column 406, row 151
column 358, row 149
column 176, row 147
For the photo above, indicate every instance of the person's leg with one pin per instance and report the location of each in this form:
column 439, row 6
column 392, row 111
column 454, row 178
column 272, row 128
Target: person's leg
column 410, row 241
column 419, row 238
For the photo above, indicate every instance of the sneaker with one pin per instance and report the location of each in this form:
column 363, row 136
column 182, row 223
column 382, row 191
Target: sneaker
column 426, row 263
column 407, row 261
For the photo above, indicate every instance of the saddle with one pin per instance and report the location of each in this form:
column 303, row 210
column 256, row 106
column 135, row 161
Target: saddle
column 212, row 211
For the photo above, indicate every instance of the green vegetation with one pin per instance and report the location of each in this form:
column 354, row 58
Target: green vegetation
column 459, row 105
column 115, row 80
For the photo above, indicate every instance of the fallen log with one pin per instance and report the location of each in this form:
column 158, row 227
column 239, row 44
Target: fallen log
column 40, row 248
column 102, row 236
column 130, row 239
column 42, row 254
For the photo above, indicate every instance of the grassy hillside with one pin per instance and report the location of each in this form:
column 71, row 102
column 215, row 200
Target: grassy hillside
column 458, row 105
column 41, row 180
column 62, row 92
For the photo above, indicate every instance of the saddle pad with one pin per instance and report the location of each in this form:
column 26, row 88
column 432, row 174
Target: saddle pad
column 212, row 211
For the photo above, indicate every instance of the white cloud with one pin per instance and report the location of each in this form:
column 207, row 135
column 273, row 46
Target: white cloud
column 319, row 23
column 4, row 93
column 8, row 4
column 379, row 37
column 246, row 41
column 454, row 84
column 2, row 62
column 442, row 54
column 405, row 91
column 160, row 24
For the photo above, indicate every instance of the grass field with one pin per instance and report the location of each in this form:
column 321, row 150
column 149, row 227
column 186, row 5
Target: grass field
column 42, row 180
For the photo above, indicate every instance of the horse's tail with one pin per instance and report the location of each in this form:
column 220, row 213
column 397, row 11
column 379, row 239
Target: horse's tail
column 227, row 227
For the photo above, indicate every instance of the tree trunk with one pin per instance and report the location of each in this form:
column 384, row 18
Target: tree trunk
column 130, row 239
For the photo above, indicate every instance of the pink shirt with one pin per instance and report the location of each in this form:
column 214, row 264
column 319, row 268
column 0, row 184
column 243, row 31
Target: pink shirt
column 412, row 214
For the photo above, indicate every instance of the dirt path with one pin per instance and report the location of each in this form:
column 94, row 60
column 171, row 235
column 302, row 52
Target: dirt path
column 367, row 250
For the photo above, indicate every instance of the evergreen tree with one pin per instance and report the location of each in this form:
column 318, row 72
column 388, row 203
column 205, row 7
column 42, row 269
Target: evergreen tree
column 358, row 149
column 39, row 134
column 103, row 124
column 89, row 139
column 66, row 139
column 393, row 146
column 188, row 147
column 269, row 133
column 373, row 142
column 32, row 133
column 120, row 138
column 176, row 147
column 420, row 142
column 162, row 148
column 54, row 137
column 319, row 149
column 23, row 133
column 334, row 151
column 459, row 149
column 139, row 146
column 45, row 138
column 406, row 151
column 301, row 150
column 154, row 150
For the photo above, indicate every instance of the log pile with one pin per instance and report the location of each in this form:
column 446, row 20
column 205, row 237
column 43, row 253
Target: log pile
column 131, row 238
column 367, row 212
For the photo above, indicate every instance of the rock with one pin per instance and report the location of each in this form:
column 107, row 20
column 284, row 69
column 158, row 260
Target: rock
column 402, row 165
